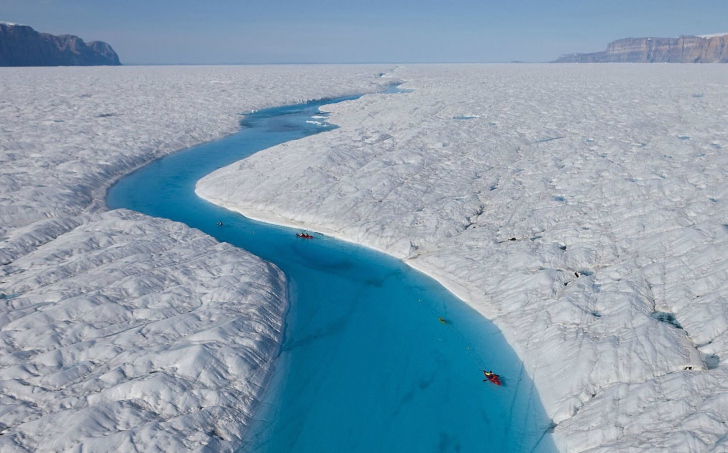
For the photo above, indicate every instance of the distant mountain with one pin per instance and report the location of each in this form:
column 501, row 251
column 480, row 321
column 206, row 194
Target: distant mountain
column 685, row 49
column 20, row 45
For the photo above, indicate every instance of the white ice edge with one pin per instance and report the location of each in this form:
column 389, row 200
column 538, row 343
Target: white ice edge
column 460, row 291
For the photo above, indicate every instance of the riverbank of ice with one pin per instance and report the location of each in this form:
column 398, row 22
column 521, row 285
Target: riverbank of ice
column 582, row 208
column 120, row 332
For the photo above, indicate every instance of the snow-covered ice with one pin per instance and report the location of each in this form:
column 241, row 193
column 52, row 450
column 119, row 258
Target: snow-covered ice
column 134, row 333
column 714, row 35
column 120, row 332
column 583, row 208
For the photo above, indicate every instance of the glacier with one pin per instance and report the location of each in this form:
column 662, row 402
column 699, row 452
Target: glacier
column 582, row 208
column 118, row 331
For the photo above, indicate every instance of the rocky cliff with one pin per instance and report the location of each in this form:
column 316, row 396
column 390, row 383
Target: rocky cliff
column 20, row 45
column 685, row 49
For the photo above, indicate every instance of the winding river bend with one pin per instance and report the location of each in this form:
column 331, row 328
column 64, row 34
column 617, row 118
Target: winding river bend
column 366, row 364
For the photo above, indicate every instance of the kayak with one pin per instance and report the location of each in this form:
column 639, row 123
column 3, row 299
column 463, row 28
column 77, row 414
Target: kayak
column 492, row 377
column 304, row 235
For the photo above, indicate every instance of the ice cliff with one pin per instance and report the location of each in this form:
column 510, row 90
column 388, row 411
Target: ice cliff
column 20, row 45
column 685, row 49
column 120, row 332
column 584, row 209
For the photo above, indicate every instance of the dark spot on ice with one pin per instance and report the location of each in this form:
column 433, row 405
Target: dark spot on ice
column 596, row 314
column 712, row 361
column 552, row 427
column 215, row 433
column 566, row 283
column 106, row 115
column 698, row 95
column 559, row 198
column 667, row 318
column 493, row 187
column 465, row 117
column 716, row 146
column 683, row 137
column 512, row 239
column 550, row 139
column 577, row 274
column 562, row 247
column 536, row 237
column 714, row 200
column 394, row 88
column 687, row 368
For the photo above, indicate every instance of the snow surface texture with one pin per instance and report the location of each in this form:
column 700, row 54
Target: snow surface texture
column 583, row 208
column 120, row 332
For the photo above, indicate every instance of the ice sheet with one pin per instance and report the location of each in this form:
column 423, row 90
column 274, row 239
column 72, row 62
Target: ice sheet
column 581, row 207
column 119, row 332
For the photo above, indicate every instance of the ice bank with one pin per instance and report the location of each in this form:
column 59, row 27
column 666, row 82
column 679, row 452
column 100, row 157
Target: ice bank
column 582, row 208
column 120, row 332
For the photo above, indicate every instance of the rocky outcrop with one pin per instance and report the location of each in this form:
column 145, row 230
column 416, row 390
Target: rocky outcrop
column 20, row 45
column 685, row 49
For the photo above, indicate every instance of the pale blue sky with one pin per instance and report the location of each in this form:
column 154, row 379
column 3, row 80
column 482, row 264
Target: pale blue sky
column 343, row 31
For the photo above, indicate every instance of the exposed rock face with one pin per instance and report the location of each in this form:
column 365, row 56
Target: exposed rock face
column 685, row 49
column 20, row 45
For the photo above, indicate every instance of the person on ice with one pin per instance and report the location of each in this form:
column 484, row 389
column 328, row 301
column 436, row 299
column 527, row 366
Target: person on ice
column 491, row 377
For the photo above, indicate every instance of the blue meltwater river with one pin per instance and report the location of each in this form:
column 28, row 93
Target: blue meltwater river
column 366, row 363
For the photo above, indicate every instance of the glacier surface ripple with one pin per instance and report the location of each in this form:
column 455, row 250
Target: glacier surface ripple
column 121, row 332
column 583, row 208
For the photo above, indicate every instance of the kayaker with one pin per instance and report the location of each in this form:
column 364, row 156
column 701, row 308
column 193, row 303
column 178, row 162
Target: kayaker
column 491, row 377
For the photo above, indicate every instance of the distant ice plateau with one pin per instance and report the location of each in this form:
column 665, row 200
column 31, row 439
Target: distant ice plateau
column 685, row 49
column 584, row 209
column 121, row 332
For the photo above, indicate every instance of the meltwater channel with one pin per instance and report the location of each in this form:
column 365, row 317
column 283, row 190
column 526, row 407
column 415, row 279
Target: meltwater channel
column 366, row 363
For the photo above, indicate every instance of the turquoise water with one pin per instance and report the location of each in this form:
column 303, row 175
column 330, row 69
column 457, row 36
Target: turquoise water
column 366, row 365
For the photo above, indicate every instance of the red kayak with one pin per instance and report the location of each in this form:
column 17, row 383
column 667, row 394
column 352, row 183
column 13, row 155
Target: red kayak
column 491, row 377
column 304, row 235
